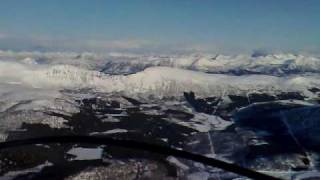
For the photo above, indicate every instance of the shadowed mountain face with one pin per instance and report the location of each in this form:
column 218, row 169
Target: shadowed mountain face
column 248, row 130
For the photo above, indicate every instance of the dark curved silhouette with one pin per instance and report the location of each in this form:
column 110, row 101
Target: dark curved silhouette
column 139, row 146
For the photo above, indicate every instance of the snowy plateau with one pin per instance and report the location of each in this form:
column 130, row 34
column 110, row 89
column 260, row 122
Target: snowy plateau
column 259, row 112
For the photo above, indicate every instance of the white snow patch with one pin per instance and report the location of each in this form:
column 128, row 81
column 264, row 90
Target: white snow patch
column 113, row 131
column 13, row 174
column 204, row 122
column 86, row 153
column 177, row 163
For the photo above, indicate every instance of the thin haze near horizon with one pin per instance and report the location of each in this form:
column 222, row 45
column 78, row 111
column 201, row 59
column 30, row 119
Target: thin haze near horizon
column 225, row 26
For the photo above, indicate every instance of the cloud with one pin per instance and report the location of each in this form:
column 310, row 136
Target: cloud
column 49, row 43
column 111, row 44
column 70, row 44
column 198, row 47
column 41, row 43
column 46, row 43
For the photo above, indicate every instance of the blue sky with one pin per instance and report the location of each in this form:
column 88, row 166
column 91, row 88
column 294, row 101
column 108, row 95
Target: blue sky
column 160, row 25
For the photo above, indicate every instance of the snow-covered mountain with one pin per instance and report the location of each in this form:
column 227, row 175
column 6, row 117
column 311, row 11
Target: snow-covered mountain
column 122, row 63
column 162, row 81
